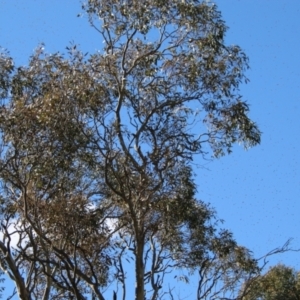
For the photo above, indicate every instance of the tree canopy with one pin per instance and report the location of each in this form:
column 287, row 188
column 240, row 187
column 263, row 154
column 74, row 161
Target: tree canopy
column 97, row 150
column 279, row 283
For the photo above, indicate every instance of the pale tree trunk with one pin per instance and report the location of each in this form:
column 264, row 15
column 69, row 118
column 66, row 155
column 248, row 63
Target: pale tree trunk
column 14, row 273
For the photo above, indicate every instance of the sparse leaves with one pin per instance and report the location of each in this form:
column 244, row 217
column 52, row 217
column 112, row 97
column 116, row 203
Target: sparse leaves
column 96, row 159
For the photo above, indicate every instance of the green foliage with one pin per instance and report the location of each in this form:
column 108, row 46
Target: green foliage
column 96, row 154
column 279, row 283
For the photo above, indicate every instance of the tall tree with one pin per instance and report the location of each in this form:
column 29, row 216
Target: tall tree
column 96, row 153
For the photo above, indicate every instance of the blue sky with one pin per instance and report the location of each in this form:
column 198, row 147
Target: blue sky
column 256, row 192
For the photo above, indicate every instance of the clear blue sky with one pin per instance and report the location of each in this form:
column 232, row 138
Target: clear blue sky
column 255, row 192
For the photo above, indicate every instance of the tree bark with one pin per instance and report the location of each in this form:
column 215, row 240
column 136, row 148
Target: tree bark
column 14, row 273
column 139, row 269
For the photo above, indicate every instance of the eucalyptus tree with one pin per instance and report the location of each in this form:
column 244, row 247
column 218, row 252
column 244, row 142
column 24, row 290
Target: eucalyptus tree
column 279, row 282
column 97, row 151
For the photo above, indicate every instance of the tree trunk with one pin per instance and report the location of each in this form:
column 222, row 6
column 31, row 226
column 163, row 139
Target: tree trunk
column 139, row 269
column 14, row 274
